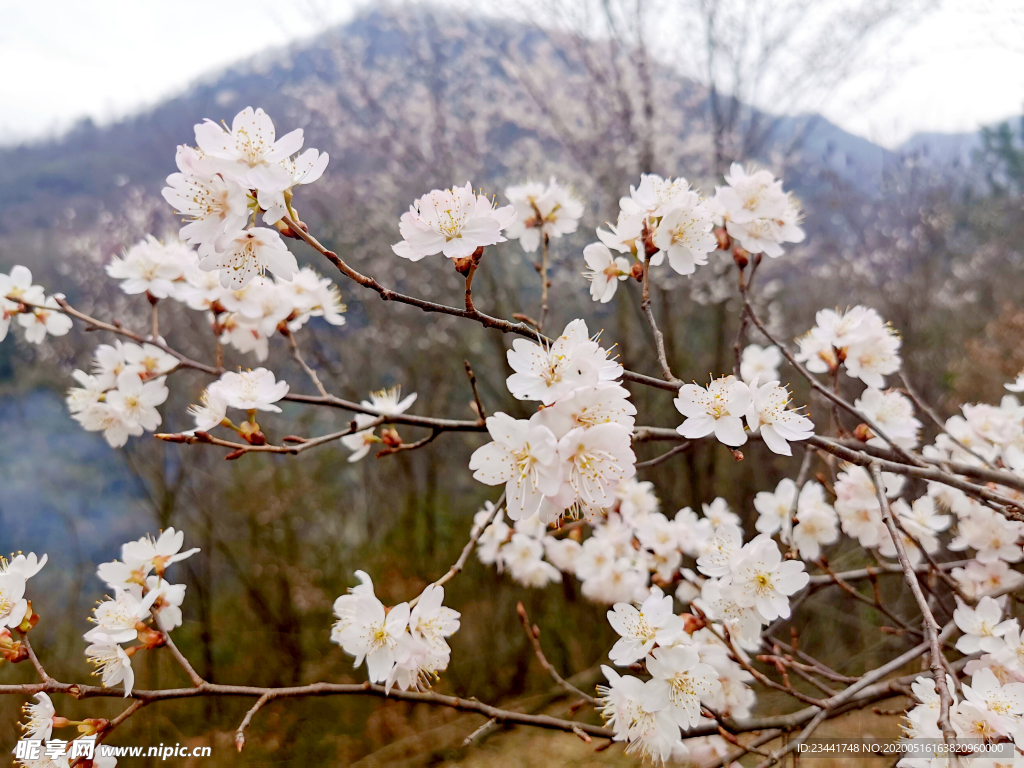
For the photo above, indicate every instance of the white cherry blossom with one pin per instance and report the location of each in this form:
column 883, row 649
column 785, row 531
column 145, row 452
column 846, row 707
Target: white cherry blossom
column 552, row 210
column 760, row 578
column 250, row 152
column 137, row 401
column 524, row 457
column 689, row 680
column 981, row 625
column 242, row 254
column 45, row 319
column 768, row 415
column 639, row 629
column 639, row 714
column 38, row 718
column 549, row 373
column 431, row 621
column 684, row 233
column 604, row 271
column 373, row 634
column 112, row 664
column 454, row 222
column 760, row 363
column 717, row 409
column 252, row 390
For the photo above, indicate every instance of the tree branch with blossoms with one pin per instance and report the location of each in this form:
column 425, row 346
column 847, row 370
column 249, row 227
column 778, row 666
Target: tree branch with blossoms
column 696, row 597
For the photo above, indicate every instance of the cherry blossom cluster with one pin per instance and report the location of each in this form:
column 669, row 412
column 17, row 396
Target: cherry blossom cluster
column 992, row 433
column 229, row 178
column 691, row 658
column 992, row 704
column 721, row 407
column 249, row 391
column 666, row 217
column 232, row 176
column 37, row 314
column 569, row 457
column 120, row 397
column 690, row 592
column 244, row 317
column 857, row 340
column 385, row 402
column 757, row 212
column 144, row 609
column 39, row 720
column 543, row 211
column 145, row 606
column 402, row 644
column 454, row 222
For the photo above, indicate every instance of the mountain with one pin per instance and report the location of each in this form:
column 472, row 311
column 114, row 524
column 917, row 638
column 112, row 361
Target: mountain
column 419, row 76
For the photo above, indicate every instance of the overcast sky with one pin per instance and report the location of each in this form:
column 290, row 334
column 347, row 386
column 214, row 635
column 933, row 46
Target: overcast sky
column 65, row 59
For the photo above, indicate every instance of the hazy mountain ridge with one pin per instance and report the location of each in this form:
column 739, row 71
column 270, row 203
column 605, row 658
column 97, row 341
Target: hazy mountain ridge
column 92, row 166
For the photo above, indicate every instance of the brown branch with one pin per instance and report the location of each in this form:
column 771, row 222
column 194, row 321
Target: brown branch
column 138, row 338
column 659, row 338
column 34, row 659
column 386, row 294
column 409, row 446
column 924, row 472
column 194, row 676
column 297, row 354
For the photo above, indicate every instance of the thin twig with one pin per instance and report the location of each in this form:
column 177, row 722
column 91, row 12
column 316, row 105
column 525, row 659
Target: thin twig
column 474, row 536
column 665, row 456
column 240, row 731
column 938, row 661
column 297, row 354
column 659, row 338
column 928, row 411
column 480, row 412
column 34, row 659
column 194, row 676
column 533, row 633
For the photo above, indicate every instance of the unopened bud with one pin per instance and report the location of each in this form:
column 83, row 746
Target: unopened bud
column 239, row 741
column 741, row 256
column 30, row 620
column 637, row 272
column 737, row 455
column 692, row 623
column 252, row 434
column 390, row 437
column 863, row 433
column 723, row 238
